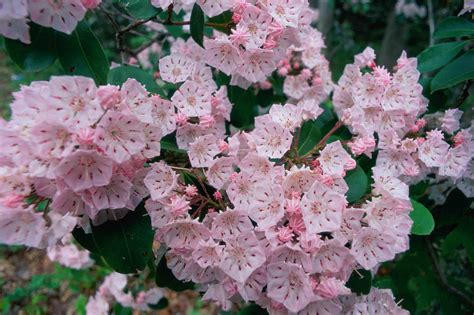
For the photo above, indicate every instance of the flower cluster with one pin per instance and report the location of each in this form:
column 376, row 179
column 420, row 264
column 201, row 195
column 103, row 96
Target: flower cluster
column 60, row 15
column 260, row 35
column 80, row 146
column 391, row 106
column 112, row 289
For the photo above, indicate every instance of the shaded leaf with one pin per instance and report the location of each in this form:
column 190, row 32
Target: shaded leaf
column 360, row 281
column 38, row 55
column 423, row 222
column 244, row 109
column 309, row 137
column 436, row 56
column 454, row 27
column 81, row 54
column 459, row 70
column 140, row 9
column 166, row 279
column 118, row 75
column 197, row 25
column 358, row 182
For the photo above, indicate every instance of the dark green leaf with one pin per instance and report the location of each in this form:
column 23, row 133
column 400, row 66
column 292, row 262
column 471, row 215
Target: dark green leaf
column 125, row 244
column 168, row 146
column 166, row 279
column 309, row 137
column 197, row 25
column 224, row 18
column 423, row 222
column 459, row 70
column 357, row 182
column 38, row 55
column 119, row 75
column 81, row 54
column 454, row 27
column 252, row 309
column 244, row 109
column 360, row 281
column 461, row 235
column 436, row 56
column 140, row 9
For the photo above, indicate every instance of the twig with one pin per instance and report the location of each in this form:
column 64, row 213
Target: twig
column 338, row 125
column 442, row 278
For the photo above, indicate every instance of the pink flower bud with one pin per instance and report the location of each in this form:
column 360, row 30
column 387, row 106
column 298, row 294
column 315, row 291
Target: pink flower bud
column 236, row 17
column 293, row 205
column 12, row 201
column 412, row 171
column 179, row 206
column 357, row 147
column 215, row 101
column 181, row 119
column 217, row 195
column 156, row 75
column 191, row 191
column 265, row 85
column 296, row 65
column 207, row 121
column 132, row 61
column 91, row 4
column 317, row 81
column 327, row 180
column 211, row 210
column 223, row 146
column 297, row 224
column 109, row 96
column 421, row 123
column 285, row 234
column 420, row 140
column 233, row 176
column 415, row 128
column 283, row 72
column 459, row 138
column 275, row 29
column 306, row 73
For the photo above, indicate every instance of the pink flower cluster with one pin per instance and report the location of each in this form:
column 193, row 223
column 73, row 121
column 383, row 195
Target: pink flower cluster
column 263, row 31
column 61, row 15
column 69, row 255
column 391, row 106
column 80, row 146
column 112, row 290
column 286, row 229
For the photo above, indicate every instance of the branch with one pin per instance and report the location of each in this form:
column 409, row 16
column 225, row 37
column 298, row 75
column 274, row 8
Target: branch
column 338, row 125
column 442, row 278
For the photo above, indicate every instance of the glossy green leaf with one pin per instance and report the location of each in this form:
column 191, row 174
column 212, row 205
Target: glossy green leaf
column 81, row 54
column 140, row 9
column 125, row 244
column 224, row 18
column 166, row 279
column 459, row 70
column 436, row 56
column 197, row 25
column 252, row 309
column 454, row 27
column 463, row 235
column 309, row 137
column 360, row 281
column 358, row 183
column 119, row 75
column 38, row 55
column 244, row 109
column 423, row 222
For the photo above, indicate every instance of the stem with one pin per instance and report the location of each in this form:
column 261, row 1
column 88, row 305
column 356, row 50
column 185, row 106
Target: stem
column 338, row 125
column 442, row 277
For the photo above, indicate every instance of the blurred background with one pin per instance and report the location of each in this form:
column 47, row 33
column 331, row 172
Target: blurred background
column 436, row 276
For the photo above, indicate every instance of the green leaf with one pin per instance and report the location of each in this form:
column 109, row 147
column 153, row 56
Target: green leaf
column 252, row 309
column 118, row 75
column 454, row 27
column 244, row 109
column 360, row 281
column 125, row 244
column 81, row 54
column 309, row 137
column 461, row 235
column 38, row 55
column 166, row 279
column 459, row 70
column 197, row 25
column 163, row 303
column 223, row 18
column 357, row 182
column 140, row 9
column 423, row 222
column 436, row 56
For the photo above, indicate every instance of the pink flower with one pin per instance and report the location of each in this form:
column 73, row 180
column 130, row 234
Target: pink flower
column 12, row 201
column 109, row 96
column 176, row 68
column 329, row 288
column 285, row 234
column 85, row 136
column 62, row 16
column 161, row 180
column 203, row 150
column 192, row 99
column 217, row 195
column 271, row 139
column 91, row 4
column 179, row 206
column 191, row 190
